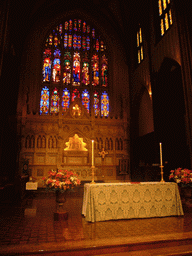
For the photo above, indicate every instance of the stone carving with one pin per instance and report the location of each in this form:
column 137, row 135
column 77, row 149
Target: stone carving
column 75, row 144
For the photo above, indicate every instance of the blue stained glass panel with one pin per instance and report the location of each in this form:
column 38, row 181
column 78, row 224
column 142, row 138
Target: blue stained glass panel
column 44, row 101
column 85, row 99
column 54, row 102
column 65, row 40
column 88, row 43
column 104, row 104
column 65, row 99
column 96, row 103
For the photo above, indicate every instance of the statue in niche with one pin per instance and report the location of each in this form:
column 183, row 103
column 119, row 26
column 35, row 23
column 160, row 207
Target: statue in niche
column 75, row 144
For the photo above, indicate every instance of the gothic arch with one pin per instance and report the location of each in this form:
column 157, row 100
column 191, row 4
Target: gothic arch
column 142, row 129
column 169, row 114
column 141, row 99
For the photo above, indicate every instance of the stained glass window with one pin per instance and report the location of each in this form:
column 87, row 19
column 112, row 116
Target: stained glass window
column 140, row 53
column 164, row 4
column 44, row 102
column 47, row 65
column 85, row 73
column 170, row 17
column 56, row 66
column 86, row 99
column 104, row 104
column 95, row 70
column 162, row 27
column 74, row 55
column 104, row 71
column 50, row 39
column 166, row 21
column 65, row 99
column 84, row 27
column 88, row 43
column 65, row 40
column 60, row 29
column 75, row 94
column 67, row 68
column 74, row 41
column 160, row 7
column 54, row 102
column 84, row 42
column 165, row 15
column 76, row 69
column 96, row 103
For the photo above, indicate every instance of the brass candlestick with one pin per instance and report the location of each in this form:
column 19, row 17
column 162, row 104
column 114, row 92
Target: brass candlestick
column 162, row 180
column 93, row 174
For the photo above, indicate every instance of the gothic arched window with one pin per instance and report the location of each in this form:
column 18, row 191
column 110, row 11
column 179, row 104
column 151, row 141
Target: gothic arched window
column 165, row 15
column 140, row 54
column 75, row 64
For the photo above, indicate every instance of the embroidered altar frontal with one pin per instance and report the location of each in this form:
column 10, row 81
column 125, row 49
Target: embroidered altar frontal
column 110, row 201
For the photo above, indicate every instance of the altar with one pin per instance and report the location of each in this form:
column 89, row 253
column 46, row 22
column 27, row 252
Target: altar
column 111, row 201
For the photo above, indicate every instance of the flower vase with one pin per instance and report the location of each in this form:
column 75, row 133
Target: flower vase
column 61, row 213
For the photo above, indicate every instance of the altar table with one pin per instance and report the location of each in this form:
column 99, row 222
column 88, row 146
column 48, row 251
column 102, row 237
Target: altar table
column 110, row 201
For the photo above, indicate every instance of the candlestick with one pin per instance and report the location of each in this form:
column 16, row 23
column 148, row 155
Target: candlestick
column 93, row 167
column 161, row 162
column 92, row 152
column 161, row 158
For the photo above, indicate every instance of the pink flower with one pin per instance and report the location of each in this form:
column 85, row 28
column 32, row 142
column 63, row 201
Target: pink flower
column 59, row 175
column 62, row 179
column 57, row 183
column 178, row 171
column 68, row 182
column 49, row 181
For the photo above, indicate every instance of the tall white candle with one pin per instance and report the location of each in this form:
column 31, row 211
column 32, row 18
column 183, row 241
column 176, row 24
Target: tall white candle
column 92, row 152
column 161, row 158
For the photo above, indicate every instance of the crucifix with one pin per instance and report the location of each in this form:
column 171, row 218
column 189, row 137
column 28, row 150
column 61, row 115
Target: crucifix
column 103, row 153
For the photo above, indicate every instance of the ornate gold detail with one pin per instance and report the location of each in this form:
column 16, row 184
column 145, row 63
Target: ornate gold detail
column 75, row 144
column 76, row 110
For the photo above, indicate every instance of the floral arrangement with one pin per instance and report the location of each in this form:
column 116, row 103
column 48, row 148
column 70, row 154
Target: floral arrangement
column 181, row 176
column 61, row 180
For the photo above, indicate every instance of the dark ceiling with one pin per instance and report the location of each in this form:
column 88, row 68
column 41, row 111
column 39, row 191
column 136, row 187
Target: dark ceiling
column 23, row 15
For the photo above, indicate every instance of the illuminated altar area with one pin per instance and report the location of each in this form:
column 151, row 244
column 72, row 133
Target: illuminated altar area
column 64, row 142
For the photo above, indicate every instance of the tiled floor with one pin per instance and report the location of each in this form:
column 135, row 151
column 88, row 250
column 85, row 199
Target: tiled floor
column 30, row 227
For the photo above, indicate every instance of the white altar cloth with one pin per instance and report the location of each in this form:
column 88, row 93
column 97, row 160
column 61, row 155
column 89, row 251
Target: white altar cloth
column 107, row 201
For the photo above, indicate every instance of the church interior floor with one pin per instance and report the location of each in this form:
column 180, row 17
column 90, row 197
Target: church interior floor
column 29, row 228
